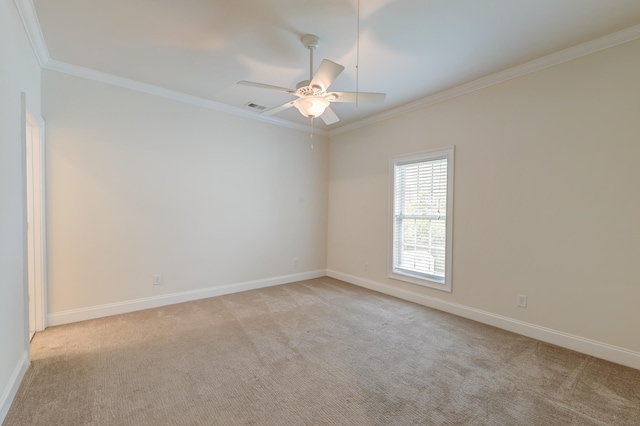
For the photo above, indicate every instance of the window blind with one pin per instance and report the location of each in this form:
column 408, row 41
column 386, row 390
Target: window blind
column 420, row 218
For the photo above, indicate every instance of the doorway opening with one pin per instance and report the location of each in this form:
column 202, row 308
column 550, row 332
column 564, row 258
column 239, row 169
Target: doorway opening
column 36, row 260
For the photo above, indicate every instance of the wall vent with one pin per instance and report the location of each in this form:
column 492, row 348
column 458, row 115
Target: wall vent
column 256, row 106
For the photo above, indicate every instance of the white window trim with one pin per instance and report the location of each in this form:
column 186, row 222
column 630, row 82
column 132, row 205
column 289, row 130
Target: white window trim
column 448, row 153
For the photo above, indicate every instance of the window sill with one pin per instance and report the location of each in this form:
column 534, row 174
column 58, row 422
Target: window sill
column 442, row 285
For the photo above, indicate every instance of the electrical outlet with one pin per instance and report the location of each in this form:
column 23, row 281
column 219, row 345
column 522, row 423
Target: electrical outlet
column 522, row 300
column 366, row 266
column 157, row 279
column 296, row 262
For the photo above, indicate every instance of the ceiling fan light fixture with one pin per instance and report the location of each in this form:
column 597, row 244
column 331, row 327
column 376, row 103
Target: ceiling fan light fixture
column 311, row 106
column 313, row 98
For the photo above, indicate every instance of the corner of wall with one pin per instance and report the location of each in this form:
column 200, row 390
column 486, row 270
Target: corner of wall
column 11, row 389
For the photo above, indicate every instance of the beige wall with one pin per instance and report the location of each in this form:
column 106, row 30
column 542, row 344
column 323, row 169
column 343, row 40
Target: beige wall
column 546, row 196
column 139, row 185
column 19, row 73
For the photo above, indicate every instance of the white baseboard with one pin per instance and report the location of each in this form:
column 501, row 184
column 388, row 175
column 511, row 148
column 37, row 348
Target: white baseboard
column 587, row 346
column 92, row 312
column 12, row 387
column 590, row 347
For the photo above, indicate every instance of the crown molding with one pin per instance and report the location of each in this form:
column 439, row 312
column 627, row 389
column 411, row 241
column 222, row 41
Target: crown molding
column 34, row 33
column 605, row 42
column 175, row 95
column 29, row 18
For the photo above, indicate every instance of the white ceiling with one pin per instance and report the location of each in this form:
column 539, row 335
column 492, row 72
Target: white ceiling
column 409, row 49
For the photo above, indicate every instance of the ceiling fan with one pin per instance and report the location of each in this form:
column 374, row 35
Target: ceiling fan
column 313, row 98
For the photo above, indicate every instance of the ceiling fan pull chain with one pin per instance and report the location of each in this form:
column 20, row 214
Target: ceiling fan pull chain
column 311, row 135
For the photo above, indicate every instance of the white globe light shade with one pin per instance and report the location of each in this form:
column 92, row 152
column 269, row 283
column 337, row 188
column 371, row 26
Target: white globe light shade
column 311, row 106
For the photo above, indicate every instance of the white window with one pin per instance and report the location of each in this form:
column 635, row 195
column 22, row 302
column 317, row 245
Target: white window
column 421, row 232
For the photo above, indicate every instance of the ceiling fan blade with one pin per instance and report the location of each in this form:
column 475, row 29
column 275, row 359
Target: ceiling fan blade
column 360, row 97
column 266, row 86
column 326, row 74
column 329, row 117
column 277, row 109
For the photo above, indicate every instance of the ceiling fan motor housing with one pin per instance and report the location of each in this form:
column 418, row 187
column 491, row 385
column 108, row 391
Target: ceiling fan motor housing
column 303, row 87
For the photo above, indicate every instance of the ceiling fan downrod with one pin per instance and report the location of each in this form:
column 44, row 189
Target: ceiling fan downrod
column 311, row 42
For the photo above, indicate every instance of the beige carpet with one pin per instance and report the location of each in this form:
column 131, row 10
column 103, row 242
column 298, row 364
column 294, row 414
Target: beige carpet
column 317, row 352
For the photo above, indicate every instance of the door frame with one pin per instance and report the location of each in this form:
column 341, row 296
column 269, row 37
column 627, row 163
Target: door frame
column 35, row 218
